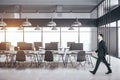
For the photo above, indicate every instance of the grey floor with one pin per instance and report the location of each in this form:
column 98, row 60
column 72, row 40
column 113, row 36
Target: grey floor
column 62, row 73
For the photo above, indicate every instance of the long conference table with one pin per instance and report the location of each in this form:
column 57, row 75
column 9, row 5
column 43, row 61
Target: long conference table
column 39, row 55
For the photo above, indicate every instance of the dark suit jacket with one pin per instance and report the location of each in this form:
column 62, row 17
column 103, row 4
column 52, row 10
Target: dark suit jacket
column 102, row 49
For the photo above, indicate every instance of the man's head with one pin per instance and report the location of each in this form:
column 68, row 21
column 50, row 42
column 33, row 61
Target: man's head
column 100, row 36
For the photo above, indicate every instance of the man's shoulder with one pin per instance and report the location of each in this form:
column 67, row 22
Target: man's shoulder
column 102, row 41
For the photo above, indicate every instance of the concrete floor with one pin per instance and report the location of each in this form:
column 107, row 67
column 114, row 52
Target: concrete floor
column 62, row 73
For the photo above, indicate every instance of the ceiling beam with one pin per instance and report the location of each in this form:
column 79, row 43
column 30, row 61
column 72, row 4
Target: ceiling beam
column 48, row 2
column 46, row 15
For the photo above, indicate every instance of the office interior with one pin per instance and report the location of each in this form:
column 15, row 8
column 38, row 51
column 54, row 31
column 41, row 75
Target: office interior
column 64, row 28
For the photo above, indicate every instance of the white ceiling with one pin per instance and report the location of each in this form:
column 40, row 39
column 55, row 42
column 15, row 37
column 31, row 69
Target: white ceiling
column 46, row 6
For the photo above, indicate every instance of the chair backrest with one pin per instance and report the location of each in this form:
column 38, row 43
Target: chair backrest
column 81, row 56
column 28, row 46
column 5, row 46
column 24, row 45
column 51, row 46
column 47, row 46
column 54, row 45
column 76, row 46
column 48, row 56
column 21, row 45
column 69, row 44
column 37, row 45
column 20, row 56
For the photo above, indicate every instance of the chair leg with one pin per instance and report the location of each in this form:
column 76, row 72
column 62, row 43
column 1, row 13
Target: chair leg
column 63, row 59
column 71, row 60
column 84, row 65
column 58, row 60
column 91, row 62
column 80, row 64
column 45, row 65
column 17, row 64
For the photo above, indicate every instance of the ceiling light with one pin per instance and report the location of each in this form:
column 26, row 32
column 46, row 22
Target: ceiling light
column 2, row 23
column 37, row 27
column 26, row 23
column 76, row 23
column 3, row 28
column 54, row 28
column 71, row 28
column 20, row 28
column 51, row 23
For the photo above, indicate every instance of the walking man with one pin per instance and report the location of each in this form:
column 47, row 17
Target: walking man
column 102, row 51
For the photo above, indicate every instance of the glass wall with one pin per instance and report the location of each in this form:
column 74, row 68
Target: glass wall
column 114, row 4
column 110, row 36
column 85, row 35
column 108, row 28
column 106, row 6
column 88, row 36
column 13, row 35
column 68, row 36
column 51, row 35
column 31, row 35
column 2, row 36
column 113, row 24
column 100, row 10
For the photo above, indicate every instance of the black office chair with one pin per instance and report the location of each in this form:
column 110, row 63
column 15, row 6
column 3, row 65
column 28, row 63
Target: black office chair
column 48, row 57
column 20, row 56
column 81, row 57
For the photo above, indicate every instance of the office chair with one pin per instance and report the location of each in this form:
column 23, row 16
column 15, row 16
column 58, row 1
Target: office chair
column 81, row 57
column 48, row 57
column 20, row 56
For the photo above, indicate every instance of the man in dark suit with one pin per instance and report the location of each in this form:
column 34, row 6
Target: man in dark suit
column 102, row 51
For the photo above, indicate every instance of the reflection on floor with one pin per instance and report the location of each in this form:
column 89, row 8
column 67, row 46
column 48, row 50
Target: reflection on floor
column 62, row 73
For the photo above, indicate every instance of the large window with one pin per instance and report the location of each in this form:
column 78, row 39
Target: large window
column 113, row 24
column 100, row 10
column 113, row 4
column 69, row 35
column 2, row 36
column 85, row 35
column 51, row 35
column 31, row 35
column 88, row 36
column 106, row 6
column 13, row 35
